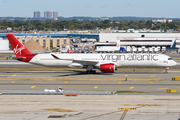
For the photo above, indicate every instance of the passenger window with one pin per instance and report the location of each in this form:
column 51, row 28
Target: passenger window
column 169, row 58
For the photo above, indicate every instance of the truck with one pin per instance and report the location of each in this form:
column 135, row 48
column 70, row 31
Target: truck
column 60, row 89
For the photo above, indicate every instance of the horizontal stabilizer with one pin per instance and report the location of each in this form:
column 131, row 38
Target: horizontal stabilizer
column 17, row 58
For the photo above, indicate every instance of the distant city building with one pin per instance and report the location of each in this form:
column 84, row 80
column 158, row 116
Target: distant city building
column 37, row 14
column 45, row 14
column 162, row 20
column 48, row 14
column 55, row 15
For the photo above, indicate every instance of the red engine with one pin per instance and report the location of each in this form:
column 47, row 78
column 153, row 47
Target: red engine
column 107, row 68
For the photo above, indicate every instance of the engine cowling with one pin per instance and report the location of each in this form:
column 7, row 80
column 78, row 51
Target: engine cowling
column 107, row 68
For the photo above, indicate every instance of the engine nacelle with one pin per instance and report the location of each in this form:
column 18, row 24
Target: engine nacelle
column 107, row 68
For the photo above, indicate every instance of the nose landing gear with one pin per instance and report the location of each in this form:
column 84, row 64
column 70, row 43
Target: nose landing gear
column 165, row 72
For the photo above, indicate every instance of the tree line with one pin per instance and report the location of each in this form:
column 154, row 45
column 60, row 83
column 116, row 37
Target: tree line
column 19, row 25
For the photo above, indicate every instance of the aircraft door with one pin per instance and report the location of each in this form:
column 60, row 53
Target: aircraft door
column 37, row 58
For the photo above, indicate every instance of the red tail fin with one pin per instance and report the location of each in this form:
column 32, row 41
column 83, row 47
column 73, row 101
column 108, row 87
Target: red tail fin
column 69, row 51
column 18, row 48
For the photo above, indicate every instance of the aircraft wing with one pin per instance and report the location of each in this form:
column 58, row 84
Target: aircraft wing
column 83, row 62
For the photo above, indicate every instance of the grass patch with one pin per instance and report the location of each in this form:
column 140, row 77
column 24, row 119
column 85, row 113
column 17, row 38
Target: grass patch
column 130, row 92
column 3, row 58
column 176, row 58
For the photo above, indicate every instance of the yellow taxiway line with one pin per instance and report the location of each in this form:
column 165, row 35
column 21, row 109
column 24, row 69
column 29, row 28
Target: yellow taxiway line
column 33, row 86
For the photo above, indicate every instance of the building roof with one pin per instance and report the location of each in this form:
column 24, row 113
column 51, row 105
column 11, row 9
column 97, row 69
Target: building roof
column 58, row 35
column 33, row 45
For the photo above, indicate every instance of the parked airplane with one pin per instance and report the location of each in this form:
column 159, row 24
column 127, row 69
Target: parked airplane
column 106, row 62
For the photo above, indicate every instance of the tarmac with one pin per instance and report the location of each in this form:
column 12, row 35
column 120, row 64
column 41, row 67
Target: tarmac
column 151, row 87
column 157, row 82
column 90, row 107
column 152, row 103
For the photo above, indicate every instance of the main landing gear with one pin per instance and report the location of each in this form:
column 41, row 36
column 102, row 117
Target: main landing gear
column 89, row 70
column 165, row 72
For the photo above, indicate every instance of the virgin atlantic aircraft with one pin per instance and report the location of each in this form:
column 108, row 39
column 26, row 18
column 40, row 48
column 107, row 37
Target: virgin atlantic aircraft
column 106, row 62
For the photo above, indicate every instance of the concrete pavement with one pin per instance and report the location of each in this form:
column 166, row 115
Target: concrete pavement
column 92, row 107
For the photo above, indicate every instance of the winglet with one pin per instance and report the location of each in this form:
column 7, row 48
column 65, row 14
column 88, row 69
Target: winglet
column 55, row 56
column 69, row 51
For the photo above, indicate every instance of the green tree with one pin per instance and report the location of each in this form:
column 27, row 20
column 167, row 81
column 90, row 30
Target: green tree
column 148, row 24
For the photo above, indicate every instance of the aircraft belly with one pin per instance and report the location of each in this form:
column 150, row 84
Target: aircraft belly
column 52, row 63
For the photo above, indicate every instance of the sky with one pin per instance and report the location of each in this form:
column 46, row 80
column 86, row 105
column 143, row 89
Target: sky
column 92, row 8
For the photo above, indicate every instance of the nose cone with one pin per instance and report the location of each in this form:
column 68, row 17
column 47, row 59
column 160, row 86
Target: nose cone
column 174, row 63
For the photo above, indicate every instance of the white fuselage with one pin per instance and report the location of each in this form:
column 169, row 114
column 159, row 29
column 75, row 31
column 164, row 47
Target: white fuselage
column 119, row 59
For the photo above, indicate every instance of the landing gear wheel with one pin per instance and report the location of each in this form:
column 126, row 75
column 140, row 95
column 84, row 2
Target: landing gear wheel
column 93, row 72
column 165, row 72
column 90, row 72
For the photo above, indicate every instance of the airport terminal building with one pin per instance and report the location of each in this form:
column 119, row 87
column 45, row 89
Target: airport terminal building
column 131, row 42
column 144, row 42
column 50, row 41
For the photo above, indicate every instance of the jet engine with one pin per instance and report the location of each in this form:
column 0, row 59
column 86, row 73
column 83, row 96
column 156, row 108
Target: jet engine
column 107, row 68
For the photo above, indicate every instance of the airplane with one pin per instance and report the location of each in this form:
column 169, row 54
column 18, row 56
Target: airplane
column 106, row 62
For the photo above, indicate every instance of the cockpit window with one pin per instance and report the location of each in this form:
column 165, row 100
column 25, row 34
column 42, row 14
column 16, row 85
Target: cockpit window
column 169, row 58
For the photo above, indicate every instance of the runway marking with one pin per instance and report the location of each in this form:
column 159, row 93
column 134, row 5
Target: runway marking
column 131, row 87
column 33, row 86
column 127, row 108
column 99, row 115
column 119, row 82
column 153, row 75
column 126, row 75
column 57, row 116
column 14, row 75
column 65, row 82
column 175, row 78
column 125, row 104
column 13, row 82
column 63, row 115
column 172, row 91
column 176, row 82
column 125, row 111
column 150, row 82
column 147, row 105
column 162, row 88
column 69, row 75
column 123, row 115
column 95, row 87
column 59, row 110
